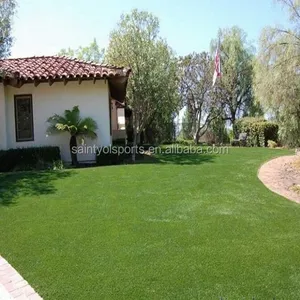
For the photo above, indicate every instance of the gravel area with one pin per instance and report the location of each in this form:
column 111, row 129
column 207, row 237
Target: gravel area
column 282, row 177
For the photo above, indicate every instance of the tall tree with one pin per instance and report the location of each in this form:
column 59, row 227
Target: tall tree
column 197, row 93
column 277, row 69
column 218, row 129
column 7, row 10
column 235, row 86
column 152, row 88
column 91, row 52
column 187, row 125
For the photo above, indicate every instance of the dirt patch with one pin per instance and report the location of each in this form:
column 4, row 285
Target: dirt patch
column 282, row 176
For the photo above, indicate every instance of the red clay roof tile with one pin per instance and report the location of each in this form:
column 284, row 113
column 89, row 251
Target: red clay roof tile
column 57, row 67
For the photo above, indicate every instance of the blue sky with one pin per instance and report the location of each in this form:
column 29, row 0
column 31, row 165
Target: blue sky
column 44, row 27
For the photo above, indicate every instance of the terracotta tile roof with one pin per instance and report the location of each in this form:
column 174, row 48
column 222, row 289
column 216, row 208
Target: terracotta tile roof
column 56, row 67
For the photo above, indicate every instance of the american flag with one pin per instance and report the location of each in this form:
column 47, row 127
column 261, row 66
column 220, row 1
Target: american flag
column 217, row 72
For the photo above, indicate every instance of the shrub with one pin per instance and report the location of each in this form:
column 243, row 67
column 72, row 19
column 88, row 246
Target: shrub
column 146, row 147
column 234, row 143
column 185, row 142
column 107, row 156
column 119, row 142
column 28, row 158
column 75, row 126
column 58, row 165
column 272, row 144
column 258, row 130
column 167, row 142
column 230, row 134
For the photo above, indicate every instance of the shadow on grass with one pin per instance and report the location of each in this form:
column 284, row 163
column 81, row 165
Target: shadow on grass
column 178, row 159
column 13, row 185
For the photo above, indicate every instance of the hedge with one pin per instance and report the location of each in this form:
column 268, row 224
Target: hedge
column 110, row 156
column 258, row 130
column 185, row 142
column 28, row 158
column 117, row 154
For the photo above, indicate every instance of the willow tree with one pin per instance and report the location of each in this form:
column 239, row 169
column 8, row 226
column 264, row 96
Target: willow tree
column 235, row 86
column 152, row 87
column 277, row 74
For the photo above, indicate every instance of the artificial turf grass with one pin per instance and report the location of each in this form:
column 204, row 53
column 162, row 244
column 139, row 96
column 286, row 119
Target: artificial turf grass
column 187, row 227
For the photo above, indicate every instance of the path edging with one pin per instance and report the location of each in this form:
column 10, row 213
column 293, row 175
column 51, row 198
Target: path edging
column 13, row 285
column 273, row 174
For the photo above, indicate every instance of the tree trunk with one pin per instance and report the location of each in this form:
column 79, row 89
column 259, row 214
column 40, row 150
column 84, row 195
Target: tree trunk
column 197, row 136
column 73, row 150
column 234, row 129
column 134, row 144
column 135, row 136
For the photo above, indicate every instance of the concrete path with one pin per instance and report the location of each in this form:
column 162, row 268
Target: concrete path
column 13, row 285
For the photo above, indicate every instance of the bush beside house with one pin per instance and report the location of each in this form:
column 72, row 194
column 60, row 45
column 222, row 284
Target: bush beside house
column 22, row 159
column 107, row 156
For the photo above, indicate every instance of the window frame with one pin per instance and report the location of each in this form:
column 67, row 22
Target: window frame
column 20, row 96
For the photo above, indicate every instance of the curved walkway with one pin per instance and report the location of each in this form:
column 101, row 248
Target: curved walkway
column 13, row 285
column 279, row 176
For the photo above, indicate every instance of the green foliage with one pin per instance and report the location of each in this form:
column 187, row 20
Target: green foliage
column 230, row 134
column 272, row 144
column 7, row 11
column 196, row 93
column 254, row 109
column 289, row 124
column 234, row 143
column 110, row 156
column 72, row 123
column 218, row 128
column 58, row 165
column 261, row 137
column 185, row 142
column 187, row 125
column 119, row 142
column 160, row 129
column 28, row 158
column 277, row 85
column 77, row 127
column 91, row 53
column 235, row 87
column 152, row 90
column 258, row 130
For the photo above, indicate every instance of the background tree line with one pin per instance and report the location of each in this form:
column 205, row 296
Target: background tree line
column 162, row 84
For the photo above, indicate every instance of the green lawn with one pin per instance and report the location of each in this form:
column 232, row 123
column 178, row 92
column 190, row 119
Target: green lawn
column 185, row 227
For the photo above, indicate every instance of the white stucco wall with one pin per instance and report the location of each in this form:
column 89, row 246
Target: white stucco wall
column 47, row 100
column 3, row 139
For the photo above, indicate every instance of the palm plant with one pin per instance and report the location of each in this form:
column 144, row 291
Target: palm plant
column 71, row 122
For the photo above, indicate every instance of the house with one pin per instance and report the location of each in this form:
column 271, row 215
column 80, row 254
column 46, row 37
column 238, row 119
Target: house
column 33, row 89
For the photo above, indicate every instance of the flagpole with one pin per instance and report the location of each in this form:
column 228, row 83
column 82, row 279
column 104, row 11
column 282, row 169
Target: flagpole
column 220, row 56
column 217, row 63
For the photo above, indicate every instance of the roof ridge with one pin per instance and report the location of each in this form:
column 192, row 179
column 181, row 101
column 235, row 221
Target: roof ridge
column 26, row 57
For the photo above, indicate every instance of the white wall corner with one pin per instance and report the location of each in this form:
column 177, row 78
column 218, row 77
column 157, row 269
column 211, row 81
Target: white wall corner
column 3, row 135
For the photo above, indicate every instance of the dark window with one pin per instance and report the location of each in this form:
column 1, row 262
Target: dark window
column 23, row 118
